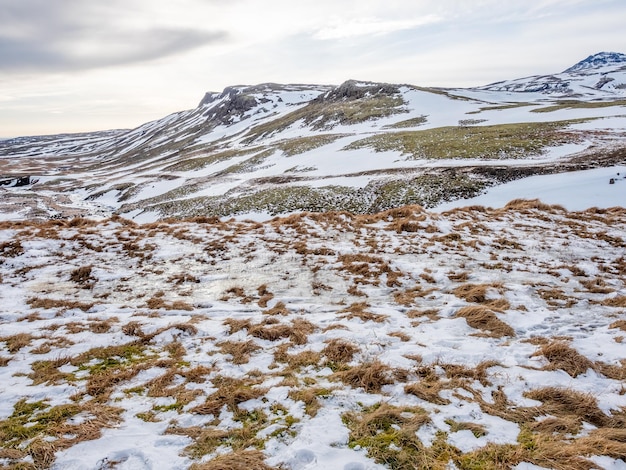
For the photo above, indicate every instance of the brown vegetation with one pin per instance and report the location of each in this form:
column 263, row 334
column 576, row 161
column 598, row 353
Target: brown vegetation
column 561, row 356
column 370, row 376
column 482, row 318
column 244, row 459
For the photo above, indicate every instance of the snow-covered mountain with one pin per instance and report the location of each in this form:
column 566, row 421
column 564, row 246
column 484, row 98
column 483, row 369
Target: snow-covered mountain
column 600, row 75
column 462, row 339
column 360, row 146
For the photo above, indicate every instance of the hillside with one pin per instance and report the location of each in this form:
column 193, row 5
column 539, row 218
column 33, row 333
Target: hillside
column 154, row 314
column 472, row 339
column 363, row 147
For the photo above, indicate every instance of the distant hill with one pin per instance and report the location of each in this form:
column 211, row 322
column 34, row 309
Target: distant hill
column 360, row 146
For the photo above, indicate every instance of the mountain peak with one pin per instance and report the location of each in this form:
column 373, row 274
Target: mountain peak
column 600, row 59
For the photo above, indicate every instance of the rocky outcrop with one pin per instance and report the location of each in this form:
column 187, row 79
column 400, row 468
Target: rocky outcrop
column 17, row 182
column 234, row 103
column 354, row 90
column 601, row 59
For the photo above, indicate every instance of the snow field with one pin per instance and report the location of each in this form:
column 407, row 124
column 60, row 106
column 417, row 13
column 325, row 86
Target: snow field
column 323, row 340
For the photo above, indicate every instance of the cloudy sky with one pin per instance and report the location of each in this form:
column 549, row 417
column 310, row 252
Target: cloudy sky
column 80, row 65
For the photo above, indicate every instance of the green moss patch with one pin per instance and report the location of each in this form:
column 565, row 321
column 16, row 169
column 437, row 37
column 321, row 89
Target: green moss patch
column 484, row 142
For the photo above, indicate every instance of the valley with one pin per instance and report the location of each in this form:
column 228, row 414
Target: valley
column 362, row 147
column 302, row 277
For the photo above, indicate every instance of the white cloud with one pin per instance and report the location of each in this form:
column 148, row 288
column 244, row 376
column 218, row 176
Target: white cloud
column 122, row 62
column 364, row 27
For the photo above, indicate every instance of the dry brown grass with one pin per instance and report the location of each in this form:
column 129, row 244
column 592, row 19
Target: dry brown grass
column 158, row 303
column 460, row 276
column 563, row 402
column 408, row 297
column 389, row 434
column 620, row 324
column 368, row 269
column 553, row 425
column 82, row 276
column 555, row 297
column 432, row 314
column 354, row 290
column 240, row 460
column 183, row 278
column 279, row 309
column 265, row 295
column 197, row 374
column 230, row 393
column 100, row 384
column 477, row 429
column 236, row 292
column 358, row 310
column 612, row 371
column 370, row 376
column 47, row 372
column 48, row 304
column 533, row 204
column 482, row 318
column 133, row 328
column 18, row 341
column 271, row 332
column 384, row 417
column 429, row 388
column 476, row 293
column 339, row 351
column 561, row 356
column 458, row 371
column 39, row 431
column 303, row 359
column 401, row 335
column 597, row 286
column 618, row 301
column 11, row 249
column 301, row 330
column 310, row 397
column 239, row 350
column 236, row 325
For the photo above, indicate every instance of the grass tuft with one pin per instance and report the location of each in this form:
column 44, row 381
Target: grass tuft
column 482, row 318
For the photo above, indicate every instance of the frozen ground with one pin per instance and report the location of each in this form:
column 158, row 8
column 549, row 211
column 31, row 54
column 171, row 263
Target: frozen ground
column 471, row 339
column 460, row 338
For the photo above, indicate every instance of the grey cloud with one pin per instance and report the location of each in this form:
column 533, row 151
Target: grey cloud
column 41, row 35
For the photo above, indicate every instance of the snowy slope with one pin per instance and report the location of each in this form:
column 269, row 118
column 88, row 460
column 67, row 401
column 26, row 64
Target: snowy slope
column 457, row 339
column 360, row 146
column 601, row 75
column 472, row 339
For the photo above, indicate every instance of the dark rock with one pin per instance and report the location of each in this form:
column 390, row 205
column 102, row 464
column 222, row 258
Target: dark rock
column 353, row 90
column 17, row 182
column 235, row 103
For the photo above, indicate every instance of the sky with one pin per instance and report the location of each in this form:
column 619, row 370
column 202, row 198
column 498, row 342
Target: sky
column 86, row 65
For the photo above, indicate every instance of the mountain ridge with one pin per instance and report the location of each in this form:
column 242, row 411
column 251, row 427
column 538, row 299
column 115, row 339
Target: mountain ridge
column 360, row 146
column 600, row 59
column 600, row 75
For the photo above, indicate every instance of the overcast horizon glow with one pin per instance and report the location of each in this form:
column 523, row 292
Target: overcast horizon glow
column 86, row 65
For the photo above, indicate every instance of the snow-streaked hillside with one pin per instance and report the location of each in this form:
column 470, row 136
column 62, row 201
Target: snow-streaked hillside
column 601, row 75
column 471, row 339
column 169, row 330
column 361, row 147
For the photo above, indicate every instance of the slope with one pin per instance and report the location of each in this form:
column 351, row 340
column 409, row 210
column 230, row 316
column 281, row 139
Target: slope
column 406, row 339
column 361, row 146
